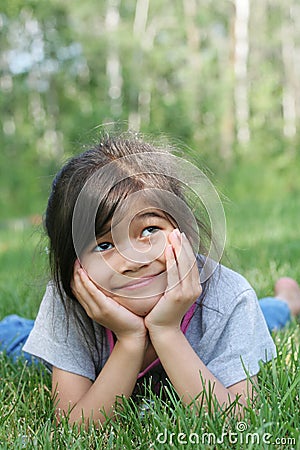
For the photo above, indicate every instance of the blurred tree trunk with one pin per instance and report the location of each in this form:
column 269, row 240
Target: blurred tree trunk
column 113, row 63
column 141, row 16
column 192, row 32
column 227, row 119
column 290, row 88
column 241, row 51
column 141, row 115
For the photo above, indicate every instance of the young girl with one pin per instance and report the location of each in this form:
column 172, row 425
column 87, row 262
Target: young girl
column 125, row 303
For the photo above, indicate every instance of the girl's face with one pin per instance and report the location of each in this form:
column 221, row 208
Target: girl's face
column 128, row 262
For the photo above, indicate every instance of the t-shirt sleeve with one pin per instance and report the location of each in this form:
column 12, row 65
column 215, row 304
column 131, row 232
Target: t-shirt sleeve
column 57, row 341
column 242, row 340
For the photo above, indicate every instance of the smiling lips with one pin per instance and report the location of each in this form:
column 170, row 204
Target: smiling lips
column 139, row 282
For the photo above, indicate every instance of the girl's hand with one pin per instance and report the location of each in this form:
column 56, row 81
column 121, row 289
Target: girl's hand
column 104, row 310
column 183, row 286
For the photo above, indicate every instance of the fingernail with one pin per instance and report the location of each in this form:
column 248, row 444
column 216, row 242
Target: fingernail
column 177, row 233
column 83, row 271
column 77, row 264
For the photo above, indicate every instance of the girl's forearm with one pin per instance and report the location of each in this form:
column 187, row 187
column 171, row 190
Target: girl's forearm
column 187, row 373
column 117, row 378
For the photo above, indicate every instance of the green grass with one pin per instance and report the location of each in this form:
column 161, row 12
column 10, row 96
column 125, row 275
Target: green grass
column 23, row 271
column 26, row 419
column 262, row 207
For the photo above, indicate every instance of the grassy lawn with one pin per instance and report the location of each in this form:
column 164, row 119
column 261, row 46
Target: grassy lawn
column 262, row 208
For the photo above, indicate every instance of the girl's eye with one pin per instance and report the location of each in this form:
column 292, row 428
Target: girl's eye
column 149, row 231
column 103, row 246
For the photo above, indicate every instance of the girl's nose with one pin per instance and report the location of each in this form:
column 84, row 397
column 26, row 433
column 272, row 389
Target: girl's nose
column 135, row 255
column 132, row 257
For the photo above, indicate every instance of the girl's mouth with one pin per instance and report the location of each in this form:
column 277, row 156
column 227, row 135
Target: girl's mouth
column 137, row 283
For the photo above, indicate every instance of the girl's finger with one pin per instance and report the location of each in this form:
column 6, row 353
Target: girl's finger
column 94, row 299
column 94, row 294
column 80, row 291
column 184, row 254
column 190, row 272
column 86, row 292
column 172, row 270
column 188, row 257
column 187, row 266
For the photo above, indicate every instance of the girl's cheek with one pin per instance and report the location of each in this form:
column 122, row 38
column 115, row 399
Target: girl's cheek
column 98, row 270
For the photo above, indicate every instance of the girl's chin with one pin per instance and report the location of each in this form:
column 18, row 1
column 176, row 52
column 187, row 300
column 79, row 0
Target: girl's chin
column 139, row 306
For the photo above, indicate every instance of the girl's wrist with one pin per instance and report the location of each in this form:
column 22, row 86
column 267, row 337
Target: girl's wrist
column 133, row 340
column 157, row 332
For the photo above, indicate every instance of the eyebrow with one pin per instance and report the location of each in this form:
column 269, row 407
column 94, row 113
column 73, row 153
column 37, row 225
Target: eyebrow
column 146, row 214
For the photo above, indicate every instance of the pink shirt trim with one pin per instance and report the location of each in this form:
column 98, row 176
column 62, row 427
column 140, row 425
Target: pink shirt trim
column 184, row 326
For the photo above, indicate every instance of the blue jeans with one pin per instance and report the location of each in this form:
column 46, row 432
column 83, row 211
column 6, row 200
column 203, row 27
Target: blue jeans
column 276, row 312
column 14, row 330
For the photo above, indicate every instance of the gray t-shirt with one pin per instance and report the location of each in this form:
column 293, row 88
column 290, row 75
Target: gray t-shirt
column 227, row 331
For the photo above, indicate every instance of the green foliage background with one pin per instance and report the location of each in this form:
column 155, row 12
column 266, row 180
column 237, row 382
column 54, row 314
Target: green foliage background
column 67, row 67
